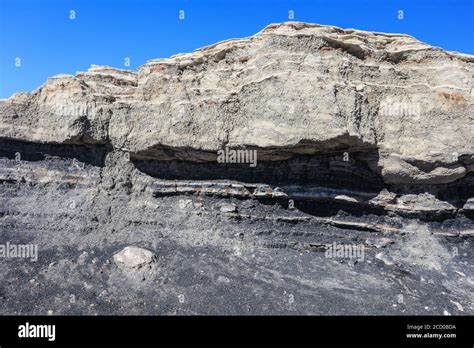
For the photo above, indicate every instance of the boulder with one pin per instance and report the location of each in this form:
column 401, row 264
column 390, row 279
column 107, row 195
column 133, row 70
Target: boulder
column 133, row 257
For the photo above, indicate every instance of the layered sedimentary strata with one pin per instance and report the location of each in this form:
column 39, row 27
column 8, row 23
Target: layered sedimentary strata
column 292, row 89
column 359, row 136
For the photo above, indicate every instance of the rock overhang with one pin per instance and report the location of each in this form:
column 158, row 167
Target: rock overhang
column 290, row 84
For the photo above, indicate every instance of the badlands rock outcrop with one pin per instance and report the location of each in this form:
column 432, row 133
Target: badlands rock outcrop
column 359, row 135
column 290, row 89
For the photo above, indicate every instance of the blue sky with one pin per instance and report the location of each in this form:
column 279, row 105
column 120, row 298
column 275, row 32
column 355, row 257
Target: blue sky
column 105, row 32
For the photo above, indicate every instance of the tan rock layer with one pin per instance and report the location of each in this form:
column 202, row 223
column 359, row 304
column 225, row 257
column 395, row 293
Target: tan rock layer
column 293, row 87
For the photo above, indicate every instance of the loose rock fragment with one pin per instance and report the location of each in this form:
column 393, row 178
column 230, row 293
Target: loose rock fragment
column 469, row 205
column 228, row 208
column 133, row 257
column 382, row 257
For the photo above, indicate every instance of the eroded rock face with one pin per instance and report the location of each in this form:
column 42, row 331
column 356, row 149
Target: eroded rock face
column 362, row 138
column 293, row 88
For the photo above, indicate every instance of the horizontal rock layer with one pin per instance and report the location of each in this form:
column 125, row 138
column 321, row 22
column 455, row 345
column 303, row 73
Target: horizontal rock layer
column 381, row 122
column 291, row 89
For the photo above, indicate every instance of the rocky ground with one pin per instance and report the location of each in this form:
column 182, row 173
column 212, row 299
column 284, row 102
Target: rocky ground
column 223, row 255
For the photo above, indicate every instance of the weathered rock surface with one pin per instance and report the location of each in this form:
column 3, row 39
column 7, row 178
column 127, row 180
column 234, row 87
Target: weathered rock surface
column 293, row 88
column 362, row 139
column 133, row 257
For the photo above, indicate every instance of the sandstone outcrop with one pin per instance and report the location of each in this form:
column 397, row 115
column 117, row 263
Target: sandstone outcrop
column 293, row 88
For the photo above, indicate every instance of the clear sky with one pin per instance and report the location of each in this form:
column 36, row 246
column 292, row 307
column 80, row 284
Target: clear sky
column 105, row 32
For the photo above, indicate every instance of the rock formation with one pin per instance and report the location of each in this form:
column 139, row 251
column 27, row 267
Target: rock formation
column 356, row 133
